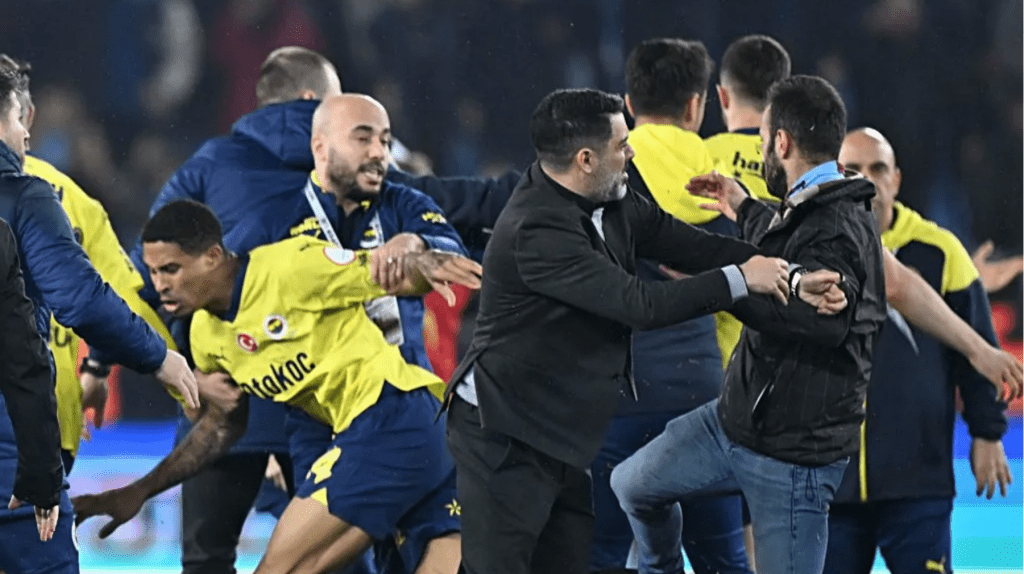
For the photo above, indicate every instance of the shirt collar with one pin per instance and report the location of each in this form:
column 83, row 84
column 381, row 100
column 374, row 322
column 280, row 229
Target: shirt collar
column 236, row 294
column 807, row 186
column 748, row 131
column 582, row 202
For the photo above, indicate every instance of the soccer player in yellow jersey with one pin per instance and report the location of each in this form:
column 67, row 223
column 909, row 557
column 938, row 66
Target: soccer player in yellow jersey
column 96, row 236
column 286, row 322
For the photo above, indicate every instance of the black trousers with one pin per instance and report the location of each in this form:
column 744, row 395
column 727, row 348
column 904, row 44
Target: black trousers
column 522, row 511
column 214, row 506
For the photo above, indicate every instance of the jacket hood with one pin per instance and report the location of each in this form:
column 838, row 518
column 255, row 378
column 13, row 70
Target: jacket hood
column 283, row 130
column 667, row 157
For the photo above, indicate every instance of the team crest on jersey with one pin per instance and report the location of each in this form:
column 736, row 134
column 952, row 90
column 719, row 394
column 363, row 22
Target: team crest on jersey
column 275, row 326
column 247, row 342
column 340, row 255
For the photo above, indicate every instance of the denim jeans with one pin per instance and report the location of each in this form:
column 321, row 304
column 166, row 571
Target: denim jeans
column 788, row 502
column 712, row 525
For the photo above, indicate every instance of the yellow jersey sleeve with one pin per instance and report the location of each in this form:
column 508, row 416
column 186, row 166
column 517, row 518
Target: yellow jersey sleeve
column 323, row 276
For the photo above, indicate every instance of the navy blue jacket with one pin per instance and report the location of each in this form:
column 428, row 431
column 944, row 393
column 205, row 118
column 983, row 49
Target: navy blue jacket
column 60, row 279
column 907, row 437
column 399, row 209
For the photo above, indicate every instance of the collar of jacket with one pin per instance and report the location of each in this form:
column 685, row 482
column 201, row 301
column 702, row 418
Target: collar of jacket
column 583, row 203
column 857, row 188
column 283, row 130
column 9, row 162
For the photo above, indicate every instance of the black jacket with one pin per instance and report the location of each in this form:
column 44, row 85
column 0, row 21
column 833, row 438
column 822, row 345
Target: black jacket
column 809, row 371
column 27, row 385
column 559, row 304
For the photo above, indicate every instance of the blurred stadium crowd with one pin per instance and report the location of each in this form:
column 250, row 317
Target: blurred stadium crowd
column 126, row 89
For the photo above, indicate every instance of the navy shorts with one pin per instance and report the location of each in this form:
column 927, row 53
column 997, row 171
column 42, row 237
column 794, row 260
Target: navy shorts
column 390, row 474
column 21, row 552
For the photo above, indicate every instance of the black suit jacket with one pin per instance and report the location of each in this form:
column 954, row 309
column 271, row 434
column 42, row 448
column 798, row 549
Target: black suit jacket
column 559, row 304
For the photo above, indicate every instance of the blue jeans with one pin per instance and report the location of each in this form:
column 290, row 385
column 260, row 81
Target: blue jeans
column 913, row 535
column 693, row 457
column 712, row 525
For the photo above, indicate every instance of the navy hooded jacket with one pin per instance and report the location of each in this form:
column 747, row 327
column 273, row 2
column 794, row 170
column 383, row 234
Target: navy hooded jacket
column 60, row 279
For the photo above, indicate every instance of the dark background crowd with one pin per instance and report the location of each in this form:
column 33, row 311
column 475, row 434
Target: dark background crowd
column 126, row 89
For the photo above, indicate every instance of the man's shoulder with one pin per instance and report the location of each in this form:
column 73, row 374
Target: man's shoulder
column 918, row 238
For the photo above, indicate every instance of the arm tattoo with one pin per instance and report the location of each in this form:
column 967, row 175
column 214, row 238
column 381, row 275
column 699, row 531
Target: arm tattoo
column 211, row 436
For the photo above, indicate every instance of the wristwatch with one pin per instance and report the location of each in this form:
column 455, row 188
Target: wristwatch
column 95, row 368
column 794, row 280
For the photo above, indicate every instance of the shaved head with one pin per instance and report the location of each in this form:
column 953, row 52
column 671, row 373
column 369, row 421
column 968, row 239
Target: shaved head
column 351, row 146
column 868, row 152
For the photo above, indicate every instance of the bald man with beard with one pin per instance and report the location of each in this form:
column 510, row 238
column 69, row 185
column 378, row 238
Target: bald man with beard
column 897, row 495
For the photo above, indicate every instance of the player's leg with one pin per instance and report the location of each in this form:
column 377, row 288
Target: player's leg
column 851, row 539
column 214, row 506
column 387, row 461
column 303, row 536
column 914, row 535
column 21, row 551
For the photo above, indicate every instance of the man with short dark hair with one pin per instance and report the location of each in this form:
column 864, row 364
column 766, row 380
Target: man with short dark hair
column 789, row 413
column 530, row 403
column 750, row 66
column 897, row 496
column 677, row 368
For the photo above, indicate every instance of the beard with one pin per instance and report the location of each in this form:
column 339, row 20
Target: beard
column 343, row 180
column 614, row 191
column 775, row 175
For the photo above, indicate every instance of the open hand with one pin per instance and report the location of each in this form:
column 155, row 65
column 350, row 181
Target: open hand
column 440, row 268
column 121, row 504
column 46, row 518
column 988, row 463
column 995, row 275
column 724, row 190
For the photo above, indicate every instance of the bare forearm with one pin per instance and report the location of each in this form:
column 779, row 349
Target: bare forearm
column 924, row 308
column 208, row 440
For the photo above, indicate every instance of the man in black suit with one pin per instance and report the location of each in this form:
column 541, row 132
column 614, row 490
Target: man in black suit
column 531, row 401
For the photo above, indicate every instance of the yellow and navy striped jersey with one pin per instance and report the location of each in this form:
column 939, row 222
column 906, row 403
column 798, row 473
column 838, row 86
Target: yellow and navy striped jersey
column 93, row 230
column 738, row 154
column 300, row 334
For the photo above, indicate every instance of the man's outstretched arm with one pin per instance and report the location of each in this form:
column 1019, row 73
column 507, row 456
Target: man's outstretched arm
column 222, row 422
column 924, row 308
